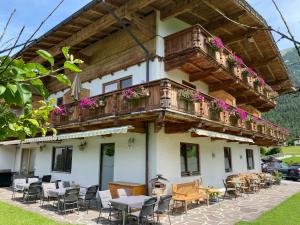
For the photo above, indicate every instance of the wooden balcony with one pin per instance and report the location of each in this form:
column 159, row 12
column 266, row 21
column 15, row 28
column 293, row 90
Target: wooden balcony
column 166, row 108
column 190, row 51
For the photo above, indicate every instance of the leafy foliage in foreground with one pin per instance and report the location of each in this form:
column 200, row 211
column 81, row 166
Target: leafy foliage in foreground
column 287, row 213
column 12, row 215
column 18, row 81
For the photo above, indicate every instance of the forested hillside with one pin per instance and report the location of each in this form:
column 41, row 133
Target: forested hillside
column 287, row 111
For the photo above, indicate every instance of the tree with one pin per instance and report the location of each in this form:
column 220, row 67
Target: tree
column 274, row 151
column 18, row 82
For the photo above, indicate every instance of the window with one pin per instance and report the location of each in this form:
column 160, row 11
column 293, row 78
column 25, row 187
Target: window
column 227, row 159
column 59, row 101
column 62, row 159
column 117, row 84
column 250, row 159
column 189, row 155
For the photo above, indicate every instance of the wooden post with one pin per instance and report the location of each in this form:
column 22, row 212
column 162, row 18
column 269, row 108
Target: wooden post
column 165, row 94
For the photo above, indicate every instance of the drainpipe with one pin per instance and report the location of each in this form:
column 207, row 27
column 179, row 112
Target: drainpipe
column 147, row 55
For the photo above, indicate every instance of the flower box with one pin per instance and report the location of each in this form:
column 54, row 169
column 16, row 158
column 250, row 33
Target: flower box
column 235, row 70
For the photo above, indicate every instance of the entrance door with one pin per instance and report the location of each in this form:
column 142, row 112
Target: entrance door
column 27, row 162
column 106, row 165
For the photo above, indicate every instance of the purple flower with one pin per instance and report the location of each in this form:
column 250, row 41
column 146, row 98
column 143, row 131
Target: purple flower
column 221, row 104
column 261, row 82
column 238, row 60
column 60, row 111
column 241, row 113
column 217, row 43
column 198, row 97
column 128, row 93
column 251, row 72
column 87, row 103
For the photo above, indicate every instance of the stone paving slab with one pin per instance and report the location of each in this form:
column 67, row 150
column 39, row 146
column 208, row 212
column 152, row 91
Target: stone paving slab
column 227, row 212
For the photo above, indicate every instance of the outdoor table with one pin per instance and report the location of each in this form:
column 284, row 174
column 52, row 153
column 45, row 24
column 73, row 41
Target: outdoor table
column 60, row 192
column 125, row 203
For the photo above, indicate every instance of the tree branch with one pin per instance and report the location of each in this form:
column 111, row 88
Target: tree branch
column 6, row 25
column 38, row 28
column 287, row 27
column 269, row 28
column 17, row 46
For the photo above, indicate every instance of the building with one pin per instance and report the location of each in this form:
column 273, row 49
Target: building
column 197, row 114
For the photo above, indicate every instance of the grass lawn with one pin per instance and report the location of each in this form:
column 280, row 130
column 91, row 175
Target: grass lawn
column 287, row 213
column 12, row 215
column 291, row 160
column 291, row 150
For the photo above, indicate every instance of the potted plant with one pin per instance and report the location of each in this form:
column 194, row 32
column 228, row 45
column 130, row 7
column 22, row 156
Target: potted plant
column 89, row 107
column 135, row 95
column 58, row 113
column 215, row 48
column 248, row 75
column 238, row 115
column 234, row 64
column 216, row 107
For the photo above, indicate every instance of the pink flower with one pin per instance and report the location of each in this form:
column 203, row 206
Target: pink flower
column 221, row 104
column 238, row 60
column 198, row 97
column 217, row 43
column 87, row 103
column 261, row 82
column 60, row 111
column 241, row 113
column 251, row 72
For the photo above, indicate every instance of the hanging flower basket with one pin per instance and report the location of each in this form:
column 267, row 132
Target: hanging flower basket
column 217, row 106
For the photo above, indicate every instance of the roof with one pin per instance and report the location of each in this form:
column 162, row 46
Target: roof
column 92, row 23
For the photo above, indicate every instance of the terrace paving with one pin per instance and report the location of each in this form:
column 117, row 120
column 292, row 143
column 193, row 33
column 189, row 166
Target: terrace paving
column 226, row 212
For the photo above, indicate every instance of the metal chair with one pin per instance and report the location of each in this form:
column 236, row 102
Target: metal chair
column 89, row 196
column 34, row 190
column 32, row 180
column 70, row 198
column 164, row 207
column 122, row 193
column 15, row 189
column 146, row 211
column 45, row 195
column 105, row 197
column 46, row 178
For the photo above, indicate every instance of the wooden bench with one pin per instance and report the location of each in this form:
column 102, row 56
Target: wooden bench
column 188, row 192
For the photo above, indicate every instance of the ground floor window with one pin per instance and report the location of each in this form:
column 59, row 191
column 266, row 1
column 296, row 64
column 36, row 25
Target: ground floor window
column 62, row 159
column 227, row 159
column 189, row 155
column 250, row 159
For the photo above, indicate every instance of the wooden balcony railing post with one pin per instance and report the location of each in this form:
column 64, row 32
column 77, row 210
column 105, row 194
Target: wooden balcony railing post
column 165, row 94
column 198, row 38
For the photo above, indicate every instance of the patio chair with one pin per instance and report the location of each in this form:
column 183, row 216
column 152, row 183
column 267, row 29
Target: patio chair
column 46, row 178
column 89, row 196
column 34, row 191
column 45, row 195
column 32, row 180
column 230, row 191
column 146, row 212
column 15, row 189
column 163, row 207
column 122, row 193
column 70, row 198
column 105, row 197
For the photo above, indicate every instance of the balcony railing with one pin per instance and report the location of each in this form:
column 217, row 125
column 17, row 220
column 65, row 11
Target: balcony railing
column 166, row 95
column 191, row 51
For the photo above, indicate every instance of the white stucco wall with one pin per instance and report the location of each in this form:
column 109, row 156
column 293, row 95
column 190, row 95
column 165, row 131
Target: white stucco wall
column 7, row 157
column 165, row 158
column 129, row 162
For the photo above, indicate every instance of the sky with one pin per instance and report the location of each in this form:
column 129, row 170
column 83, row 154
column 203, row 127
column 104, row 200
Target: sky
column 31, row 12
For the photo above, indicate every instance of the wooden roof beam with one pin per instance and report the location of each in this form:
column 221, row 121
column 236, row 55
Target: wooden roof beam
column 238, row 37
column 221, row 22
column 102, row 23
column 179, row 8
column 262, row 62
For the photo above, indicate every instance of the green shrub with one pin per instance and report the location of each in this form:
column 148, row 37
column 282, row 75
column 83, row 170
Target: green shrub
column 273, row 151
